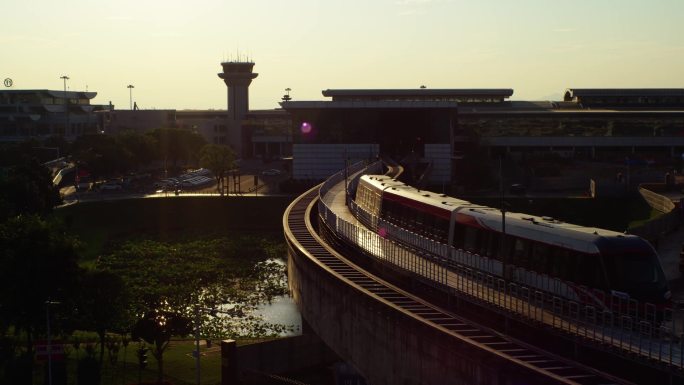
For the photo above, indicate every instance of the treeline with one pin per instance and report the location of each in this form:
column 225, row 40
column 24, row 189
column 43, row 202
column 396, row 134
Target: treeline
column 105, row 154
column 40, row 272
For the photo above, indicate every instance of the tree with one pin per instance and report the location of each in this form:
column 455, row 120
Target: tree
column 101, row 154
column 156, row 328
column 27, row 188
column 143, row 148
column 38, row 262
column 219, row 159
column 177, row 144
column 103, row 304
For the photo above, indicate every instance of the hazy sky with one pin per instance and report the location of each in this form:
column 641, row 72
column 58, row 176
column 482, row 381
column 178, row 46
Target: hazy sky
column 171, row 50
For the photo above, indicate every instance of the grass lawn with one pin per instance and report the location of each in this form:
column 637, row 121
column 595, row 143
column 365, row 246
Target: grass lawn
column 179, row 365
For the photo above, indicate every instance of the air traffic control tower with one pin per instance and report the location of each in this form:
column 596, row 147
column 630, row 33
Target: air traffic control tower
column 237, row 76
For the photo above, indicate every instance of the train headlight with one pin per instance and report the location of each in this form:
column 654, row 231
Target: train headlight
column 668, row 294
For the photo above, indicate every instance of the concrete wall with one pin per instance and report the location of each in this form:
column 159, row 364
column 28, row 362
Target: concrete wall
column 319, row 161
column 280, row 356
column 386, row 345
column 440, row 156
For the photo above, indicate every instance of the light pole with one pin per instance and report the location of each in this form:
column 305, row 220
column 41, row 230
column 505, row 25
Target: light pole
column 198, row 312
column 346, row 176
column 198, row 319
column 66, row 103
column 130, row 95
column 49, row 346
column 503, row 219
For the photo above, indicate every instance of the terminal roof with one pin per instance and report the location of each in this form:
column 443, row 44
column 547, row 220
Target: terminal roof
column 420, row 93
column 54, row 93
column 571, row 93
column 367, row 104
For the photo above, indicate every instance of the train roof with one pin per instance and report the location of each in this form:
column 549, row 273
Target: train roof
column 441, row 201
column 492, row 216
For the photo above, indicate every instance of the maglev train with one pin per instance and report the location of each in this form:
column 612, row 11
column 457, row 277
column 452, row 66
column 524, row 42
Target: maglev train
column 622, row 265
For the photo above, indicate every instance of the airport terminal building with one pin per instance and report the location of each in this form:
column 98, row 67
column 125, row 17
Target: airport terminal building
column 448, row 127
column 27, row 114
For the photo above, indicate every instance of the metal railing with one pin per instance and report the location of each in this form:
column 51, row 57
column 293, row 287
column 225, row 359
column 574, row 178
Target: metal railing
column 622, row 326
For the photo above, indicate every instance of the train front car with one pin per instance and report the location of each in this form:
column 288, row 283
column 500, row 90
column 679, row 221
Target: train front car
column 622, row 266
column 633, row 269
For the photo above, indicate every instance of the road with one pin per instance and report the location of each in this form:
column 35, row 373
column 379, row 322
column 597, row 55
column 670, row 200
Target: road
column 268, row 185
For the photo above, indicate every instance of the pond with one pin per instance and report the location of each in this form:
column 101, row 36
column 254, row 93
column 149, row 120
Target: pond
column 282, row 311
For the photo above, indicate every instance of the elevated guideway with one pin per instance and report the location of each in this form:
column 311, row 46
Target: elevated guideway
column 392, row 336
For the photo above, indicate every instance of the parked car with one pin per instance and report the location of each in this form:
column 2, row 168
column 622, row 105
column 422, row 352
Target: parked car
column 110, row 186
column 517, row 189
column 271, row 172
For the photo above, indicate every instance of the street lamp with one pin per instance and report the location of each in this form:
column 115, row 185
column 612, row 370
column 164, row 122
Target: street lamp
column 503, row 220
column 49, row 346
column 130, row 95
column 198, row 312
column 66, row 103
column 198, row 319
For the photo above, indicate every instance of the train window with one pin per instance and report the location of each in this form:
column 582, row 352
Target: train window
column 521, row 248
column 483, row 242
column 459, row 235
column 402, row 213
column 589, row 271
column 430, row 228
column 570, row 270
column 441, row 229
column 420, row 220
column 540, row 256
column 559, row 264
column 386, row 209
column 394, row 211
column 629, row 271
column 493, row 242
column 410, row 217
column 470, row 240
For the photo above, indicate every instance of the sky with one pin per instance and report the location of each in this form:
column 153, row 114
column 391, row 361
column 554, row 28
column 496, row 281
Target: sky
column 171, row 51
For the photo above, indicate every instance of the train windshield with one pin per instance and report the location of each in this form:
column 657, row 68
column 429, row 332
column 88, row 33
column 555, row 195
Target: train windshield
column 638, row 274
column 640, row 270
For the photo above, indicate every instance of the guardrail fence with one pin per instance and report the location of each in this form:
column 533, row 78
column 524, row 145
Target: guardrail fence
column 620, row 325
